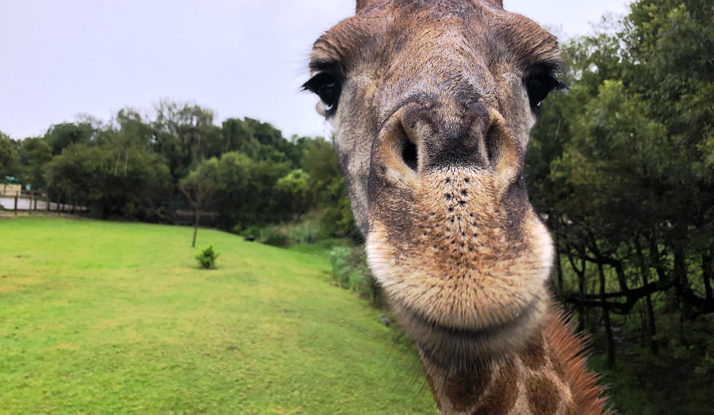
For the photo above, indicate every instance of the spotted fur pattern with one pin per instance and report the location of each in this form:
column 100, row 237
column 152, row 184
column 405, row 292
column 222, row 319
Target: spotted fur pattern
column 546, row 377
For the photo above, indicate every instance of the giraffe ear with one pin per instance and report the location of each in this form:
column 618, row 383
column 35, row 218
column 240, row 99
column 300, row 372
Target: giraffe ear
column 366, row 4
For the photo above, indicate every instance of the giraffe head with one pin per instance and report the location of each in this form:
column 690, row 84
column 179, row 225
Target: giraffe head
column 432, row 102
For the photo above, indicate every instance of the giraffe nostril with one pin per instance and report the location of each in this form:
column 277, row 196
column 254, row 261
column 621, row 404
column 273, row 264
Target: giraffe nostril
column 493, row 145
column 410, row 155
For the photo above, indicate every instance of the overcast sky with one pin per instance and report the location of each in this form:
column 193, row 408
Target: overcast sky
column 60, row 58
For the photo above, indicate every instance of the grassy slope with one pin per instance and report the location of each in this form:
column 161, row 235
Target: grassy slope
column 99, row 317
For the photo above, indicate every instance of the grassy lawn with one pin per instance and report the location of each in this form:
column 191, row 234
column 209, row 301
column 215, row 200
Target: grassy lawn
column 106, row 318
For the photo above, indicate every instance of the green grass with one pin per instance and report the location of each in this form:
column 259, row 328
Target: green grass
column 107, row 318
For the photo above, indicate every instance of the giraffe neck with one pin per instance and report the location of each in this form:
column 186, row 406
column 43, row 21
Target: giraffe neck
column 548, row 377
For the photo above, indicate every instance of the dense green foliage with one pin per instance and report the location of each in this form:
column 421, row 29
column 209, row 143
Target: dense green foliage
column 350, row 271
column 9, row 160
column 151, row 168
column 127, row 324
column 91, row 174
column 622, row 169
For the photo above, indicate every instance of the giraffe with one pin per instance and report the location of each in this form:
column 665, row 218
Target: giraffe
column 432, row 102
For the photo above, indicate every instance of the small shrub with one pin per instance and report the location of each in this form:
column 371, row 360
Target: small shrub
column 251, row 230
column 207, row 258
column 305, row 232
column 350, row 271
column 274, row 236
column 341, row 260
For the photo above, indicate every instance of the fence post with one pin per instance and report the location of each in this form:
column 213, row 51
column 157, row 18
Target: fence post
column 59, row 203
column 16, row 194
column 47, row 202
column 32, row 200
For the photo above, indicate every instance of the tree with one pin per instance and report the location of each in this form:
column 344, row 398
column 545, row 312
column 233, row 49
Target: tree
column 35, row 153
column 114, row 180
column 128, row 128
column 199, row 187
column 293, row 192
column 182, row 133
column 327, row 187
column 621, row 167
column 61, row 136
column 237, row 136
column 9, row 160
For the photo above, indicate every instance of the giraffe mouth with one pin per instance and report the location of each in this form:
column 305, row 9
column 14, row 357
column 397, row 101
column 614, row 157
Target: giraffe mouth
column 460, row 348
column 415, row 317
column 464, row 273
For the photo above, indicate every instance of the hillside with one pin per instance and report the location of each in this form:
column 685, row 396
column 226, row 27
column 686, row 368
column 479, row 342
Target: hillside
column 100, row 317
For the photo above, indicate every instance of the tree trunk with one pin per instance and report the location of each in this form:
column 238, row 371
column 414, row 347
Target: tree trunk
column 606, row 320
column 651, row 323
column 558, row 265
column 707, row 276
column 643, row 325
column 581, row 290
column 681, row 280
column 651, row 326
column 195, row 227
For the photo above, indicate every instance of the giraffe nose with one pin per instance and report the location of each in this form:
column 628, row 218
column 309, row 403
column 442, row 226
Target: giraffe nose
column 445, row 137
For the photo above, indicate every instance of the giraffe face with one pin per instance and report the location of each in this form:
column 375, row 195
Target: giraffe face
column 432, row 103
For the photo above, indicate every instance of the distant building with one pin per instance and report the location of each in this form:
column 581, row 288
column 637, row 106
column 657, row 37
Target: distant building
column 10, row 186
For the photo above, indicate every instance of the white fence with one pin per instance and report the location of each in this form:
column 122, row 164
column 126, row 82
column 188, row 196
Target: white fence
column 36, row 202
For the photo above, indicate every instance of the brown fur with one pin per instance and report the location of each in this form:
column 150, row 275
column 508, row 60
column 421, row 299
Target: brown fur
column 503, row 395
column 451, row 236
column 542, row 396
column 568, row 349
column 464, row 394
column 547, row 376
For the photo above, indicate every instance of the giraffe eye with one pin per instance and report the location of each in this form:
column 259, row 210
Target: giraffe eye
column 328, row 88
column 541, row 85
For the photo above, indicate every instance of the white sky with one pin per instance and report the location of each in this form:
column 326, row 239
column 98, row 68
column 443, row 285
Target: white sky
column 238, row 57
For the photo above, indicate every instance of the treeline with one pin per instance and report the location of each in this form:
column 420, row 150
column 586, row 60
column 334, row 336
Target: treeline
column 622, row 170
column 134, row 166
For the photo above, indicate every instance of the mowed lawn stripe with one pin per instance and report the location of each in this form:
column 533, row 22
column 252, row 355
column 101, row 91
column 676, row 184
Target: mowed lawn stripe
column 104, row 317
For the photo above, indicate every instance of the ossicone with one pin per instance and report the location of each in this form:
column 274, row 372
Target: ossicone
column 366, row 4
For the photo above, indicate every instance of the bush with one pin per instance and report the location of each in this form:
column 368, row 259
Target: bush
column 274, row 236
column 251, row 230
column 305, row 232
column 341, row 260
column 309, row 229
column 350, row 271
column 207, row 258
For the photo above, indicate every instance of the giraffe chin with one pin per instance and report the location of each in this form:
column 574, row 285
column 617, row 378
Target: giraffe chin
column 465, row 301
column 460, row 350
